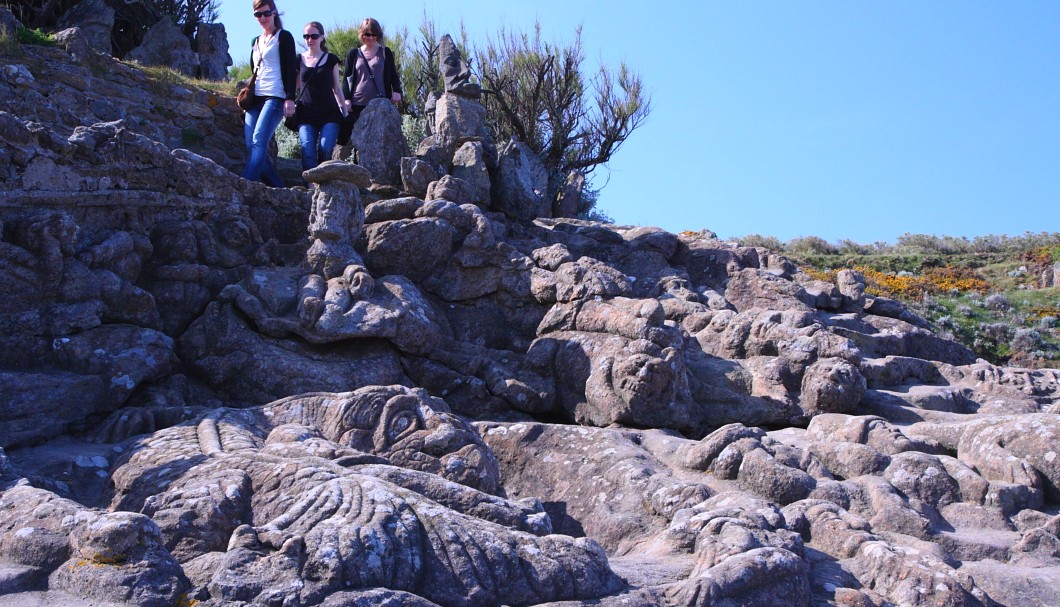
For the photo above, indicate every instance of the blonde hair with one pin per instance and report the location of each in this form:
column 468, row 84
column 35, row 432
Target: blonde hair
column 320, row 28
column 370, row 25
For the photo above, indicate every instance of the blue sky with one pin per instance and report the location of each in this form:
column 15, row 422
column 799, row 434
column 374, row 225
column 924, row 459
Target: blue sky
column 856, row 120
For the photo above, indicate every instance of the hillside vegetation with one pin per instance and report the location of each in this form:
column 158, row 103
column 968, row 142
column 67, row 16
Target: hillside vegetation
column 995, row 294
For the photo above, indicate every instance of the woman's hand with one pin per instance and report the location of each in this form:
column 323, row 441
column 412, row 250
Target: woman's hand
column 395, row 98
column 288, row 108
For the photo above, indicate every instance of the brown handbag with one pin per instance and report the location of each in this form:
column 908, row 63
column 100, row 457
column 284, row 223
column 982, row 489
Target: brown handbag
column 246, row 97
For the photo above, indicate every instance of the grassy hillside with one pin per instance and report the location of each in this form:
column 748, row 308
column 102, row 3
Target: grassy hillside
column 994, row 294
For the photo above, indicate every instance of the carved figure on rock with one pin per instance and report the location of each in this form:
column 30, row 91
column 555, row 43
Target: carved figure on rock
column 329, row 511
column 454, row 70
column 336, row 219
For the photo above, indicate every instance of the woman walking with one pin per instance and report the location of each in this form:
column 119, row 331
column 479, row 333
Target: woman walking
column 321, row 103
column 275, row 63
column 371, row 70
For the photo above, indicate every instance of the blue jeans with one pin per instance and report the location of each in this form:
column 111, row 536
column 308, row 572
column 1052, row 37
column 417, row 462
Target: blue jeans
column 259, row 125
column 317, row 145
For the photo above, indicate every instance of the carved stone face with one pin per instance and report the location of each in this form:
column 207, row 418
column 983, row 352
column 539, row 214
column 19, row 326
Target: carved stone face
column 414, row 430
column 643, row 378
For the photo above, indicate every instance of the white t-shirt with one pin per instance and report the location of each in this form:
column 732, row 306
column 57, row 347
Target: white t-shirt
column 270, row 79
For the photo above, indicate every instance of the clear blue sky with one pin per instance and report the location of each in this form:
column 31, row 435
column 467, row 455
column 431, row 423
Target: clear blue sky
column 841, row 119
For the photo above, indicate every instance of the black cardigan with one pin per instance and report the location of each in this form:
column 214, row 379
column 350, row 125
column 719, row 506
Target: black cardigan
column 288, row 63
column 391, row 80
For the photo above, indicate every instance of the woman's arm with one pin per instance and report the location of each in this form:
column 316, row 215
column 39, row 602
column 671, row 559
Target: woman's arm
column 288, row 64
column 348, row 70
column 298, row 78
column 288, row 71
column 337, row 80
column 391, row 80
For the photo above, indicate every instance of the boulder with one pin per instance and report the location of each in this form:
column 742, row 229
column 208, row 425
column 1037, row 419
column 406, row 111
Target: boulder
column 166, row 45
column 9, row 24
column 95, row 19
column 74, row 42
column 379, row 142
column 469, row 164
column 520, row 187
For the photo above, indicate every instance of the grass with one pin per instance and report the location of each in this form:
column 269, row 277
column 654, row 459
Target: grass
column 163, row 76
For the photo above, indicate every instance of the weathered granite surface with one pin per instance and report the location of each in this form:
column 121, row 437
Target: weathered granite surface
column 219, row 392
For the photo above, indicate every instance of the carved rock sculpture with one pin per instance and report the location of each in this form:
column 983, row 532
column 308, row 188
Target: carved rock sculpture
column 454, row 70
column 219, row 392
column 211, row 42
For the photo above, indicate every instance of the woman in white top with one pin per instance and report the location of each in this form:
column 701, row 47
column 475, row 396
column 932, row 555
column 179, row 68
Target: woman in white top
column 275, row 62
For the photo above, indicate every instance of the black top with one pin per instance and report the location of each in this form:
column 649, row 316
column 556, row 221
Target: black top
column 288, row 63
column 354, row 62
column 317, row 105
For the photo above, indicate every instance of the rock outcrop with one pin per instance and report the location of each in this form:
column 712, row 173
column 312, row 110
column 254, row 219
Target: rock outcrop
column 411, row 391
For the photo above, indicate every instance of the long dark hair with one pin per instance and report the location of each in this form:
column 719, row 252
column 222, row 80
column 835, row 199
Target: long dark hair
column 320, row 28
column 260, row 4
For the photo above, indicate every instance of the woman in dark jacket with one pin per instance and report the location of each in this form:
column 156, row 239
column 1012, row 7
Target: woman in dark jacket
column 370, row 71
column 275, row 64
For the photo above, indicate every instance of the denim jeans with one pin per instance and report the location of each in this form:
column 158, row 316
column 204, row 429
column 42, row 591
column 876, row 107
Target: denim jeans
column 317, row 144
column 259, row 125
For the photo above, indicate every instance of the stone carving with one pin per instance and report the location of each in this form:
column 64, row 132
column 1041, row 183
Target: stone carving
column 211, row 44
column 218, row 392
column 454, row 70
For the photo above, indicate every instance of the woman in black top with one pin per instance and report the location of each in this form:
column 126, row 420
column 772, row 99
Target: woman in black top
column 321, row 104
column 371, row 70
column 274, row 60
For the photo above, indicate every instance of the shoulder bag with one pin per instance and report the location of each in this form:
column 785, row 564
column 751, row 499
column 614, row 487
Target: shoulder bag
column 246, row 97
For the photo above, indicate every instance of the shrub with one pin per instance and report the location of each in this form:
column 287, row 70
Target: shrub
column 574, row 119
column 810, row 245
column 35, row 36
column 997, row 301
column 1026, row 340
column 757, row 240
column 287, row 142
column 997, row 332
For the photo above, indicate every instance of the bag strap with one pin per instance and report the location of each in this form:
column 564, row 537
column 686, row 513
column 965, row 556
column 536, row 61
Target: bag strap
column 261, row 57
column 368, row 67
column 312, row 73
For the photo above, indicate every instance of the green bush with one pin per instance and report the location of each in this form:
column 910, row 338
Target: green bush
column 35, row 37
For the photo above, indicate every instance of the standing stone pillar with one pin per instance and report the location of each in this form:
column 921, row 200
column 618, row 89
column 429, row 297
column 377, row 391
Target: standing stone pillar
column 336, row 219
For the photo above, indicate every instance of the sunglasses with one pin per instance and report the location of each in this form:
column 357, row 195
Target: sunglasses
column 369, row 35
column 311, row 36
column 260, row 14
